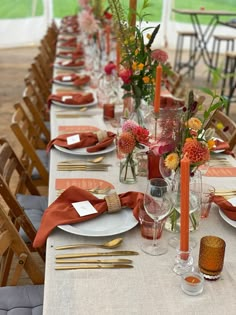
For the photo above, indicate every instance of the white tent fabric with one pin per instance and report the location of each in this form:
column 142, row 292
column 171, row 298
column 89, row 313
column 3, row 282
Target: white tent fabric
column 26, row 31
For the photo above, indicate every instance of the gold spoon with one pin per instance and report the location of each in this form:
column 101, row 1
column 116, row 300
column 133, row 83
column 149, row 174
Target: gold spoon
column 108, row 245
column 96, row 160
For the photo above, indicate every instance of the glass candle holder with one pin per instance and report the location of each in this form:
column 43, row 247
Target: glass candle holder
column 192, row 283
column 211, row 257
column 183, row 261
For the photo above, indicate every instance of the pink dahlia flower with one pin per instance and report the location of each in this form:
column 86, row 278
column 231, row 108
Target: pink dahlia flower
column 88, row 23
column 159, row 55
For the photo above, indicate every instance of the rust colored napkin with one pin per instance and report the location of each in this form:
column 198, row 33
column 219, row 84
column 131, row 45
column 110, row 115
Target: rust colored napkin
column 61, row 210
column 220, row 145
column 76, row 98
column 71, row 63
column 72, row 42
column 228, row 209
column 76, row 79
column 88, row 140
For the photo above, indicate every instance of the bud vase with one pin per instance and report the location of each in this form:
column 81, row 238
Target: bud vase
column 128, row 169
column 173, row 222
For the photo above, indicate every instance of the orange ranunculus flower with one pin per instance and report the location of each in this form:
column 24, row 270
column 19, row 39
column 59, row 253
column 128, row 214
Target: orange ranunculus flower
column 196, row 151
column 172, row 161
column 146, row 79
column 194, row 123
column 134, row 65
column 140, row 66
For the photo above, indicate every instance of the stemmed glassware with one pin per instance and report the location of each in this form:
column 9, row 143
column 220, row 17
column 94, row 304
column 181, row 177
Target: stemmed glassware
column 158, row 203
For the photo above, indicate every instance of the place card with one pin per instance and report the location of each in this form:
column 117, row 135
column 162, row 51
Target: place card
column 65, row 63
column 73, row 139
column 66, row 97
column 67, row 78
column 84, row 208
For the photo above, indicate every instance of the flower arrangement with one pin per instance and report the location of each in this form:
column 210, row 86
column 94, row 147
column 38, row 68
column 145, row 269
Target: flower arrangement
column 195, row 141
column 138, row 61
column 132, row 136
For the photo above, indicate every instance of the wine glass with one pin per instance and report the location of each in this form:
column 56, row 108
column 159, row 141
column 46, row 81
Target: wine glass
column 166, row 173
column 158, row 203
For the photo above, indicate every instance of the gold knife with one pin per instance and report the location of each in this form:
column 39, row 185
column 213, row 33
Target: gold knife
column 108, row 266
column 94, row 261
column 113, row 253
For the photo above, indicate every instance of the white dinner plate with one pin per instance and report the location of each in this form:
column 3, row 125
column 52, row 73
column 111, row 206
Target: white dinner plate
column 69, row 83
column 58, row 66
column 224, row 217
column 83, row 151
column 75, row 105
column 104, row 225
column 217, row 151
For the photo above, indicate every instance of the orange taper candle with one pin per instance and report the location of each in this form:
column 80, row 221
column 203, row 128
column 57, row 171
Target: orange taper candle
column 184, row 204
column 117, row 56
column 157, row 98
column 133, row 8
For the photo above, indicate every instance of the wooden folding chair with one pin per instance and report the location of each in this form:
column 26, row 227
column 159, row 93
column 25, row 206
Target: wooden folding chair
column 225, row 127
column 34, row 156
column 17, row 298
column 22, row 200
column 37, row 116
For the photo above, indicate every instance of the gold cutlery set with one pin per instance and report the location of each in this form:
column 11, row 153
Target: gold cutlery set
column 80, row 261
column 81, row 166
column 226, row 193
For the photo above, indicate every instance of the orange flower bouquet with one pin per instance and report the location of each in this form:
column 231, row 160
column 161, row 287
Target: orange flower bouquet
column 132, row 136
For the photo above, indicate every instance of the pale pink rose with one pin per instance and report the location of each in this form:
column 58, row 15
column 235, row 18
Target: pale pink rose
column 125, row 75
column 159, row 55
column 87, row 22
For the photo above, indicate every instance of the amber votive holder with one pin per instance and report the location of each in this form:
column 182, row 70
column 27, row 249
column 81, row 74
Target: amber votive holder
column 108, row 111
column 211, row 257
column 192, row 283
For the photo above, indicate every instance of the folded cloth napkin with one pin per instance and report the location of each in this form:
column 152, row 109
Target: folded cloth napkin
column 228, row 209
column 71, row 63
column 73, row 54
column 61, row 210
column 92, row 141
column 71, row 98
column 220, row 145
column 72, row 77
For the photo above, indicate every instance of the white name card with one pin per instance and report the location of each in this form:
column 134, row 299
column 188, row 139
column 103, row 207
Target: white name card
column 84, row 208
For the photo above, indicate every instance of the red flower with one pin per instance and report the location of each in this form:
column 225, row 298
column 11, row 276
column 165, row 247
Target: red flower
column 141, row 134
column 107, row 15
column 125, row 75
column 109, row 67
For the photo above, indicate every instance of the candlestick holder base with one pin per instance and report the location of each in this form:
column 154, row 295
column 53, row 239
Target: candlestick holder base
column 183, row 262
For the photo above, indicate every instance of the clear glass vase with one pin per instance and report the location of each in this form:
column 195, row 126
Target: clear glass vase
column 173, row 222
column 128, row 169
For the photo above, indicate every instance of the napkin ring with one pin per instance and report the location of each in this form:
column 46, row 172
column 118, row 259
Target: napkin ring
column 101, row 134
column 113, row 203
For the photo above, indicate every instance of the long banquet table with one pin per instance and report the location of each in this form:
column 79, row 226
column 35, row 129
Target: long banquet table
column 151, row 287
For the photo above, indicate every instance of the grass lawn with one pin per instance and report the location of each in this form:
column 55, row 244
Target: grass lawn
column 24, row 8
